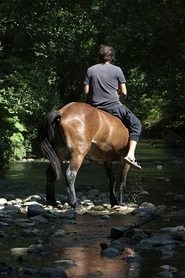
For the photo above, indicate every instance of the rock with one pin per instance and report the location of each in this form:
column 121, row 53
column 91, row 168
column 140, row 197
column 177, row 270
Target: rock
column 110, row 252
column 70, row 214
column 7, row 270
column 179, row 198
column 169, row 268
column 3, row 234
column 53, row 272
column 105, row 217
column 117, row 232
column 60, row 233
column 156, row 240
column 33, row 198
column 104, row 245
column 65, row 263
column 144, row 193
column 146, row 210
column 30, row 232
column 4, row 224
column 98, row 208
column 124, row 209
column 36, row 248
column 119, row 244
column 136, row 235
column 3, row 201
column 19, row 251
column 39, row 219
column 11, row 209
column 178, row 232
column 167, row 251
column 148, row 205
column 164, row 274
column 35, row 209
column 25, row 223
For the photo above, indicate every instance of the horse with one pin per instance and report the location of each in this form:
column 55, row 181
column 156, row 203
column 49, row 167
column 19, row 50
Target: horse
column 79, row 131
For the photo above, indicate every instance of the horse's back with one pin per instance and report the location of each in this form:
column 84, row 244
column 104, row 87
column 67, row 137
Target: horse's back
column 94, row 132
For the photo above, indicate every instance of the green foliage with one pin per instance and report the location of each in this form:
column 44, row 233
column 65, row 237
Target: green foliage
column 46, row 47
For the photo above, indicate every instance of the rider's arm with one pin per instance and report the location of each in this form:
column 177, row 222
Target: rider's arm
column 123, row 91
column 86, row 89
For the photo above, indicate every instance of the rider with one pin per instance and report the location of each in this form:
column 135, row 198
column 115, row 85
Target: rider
column 103, row 82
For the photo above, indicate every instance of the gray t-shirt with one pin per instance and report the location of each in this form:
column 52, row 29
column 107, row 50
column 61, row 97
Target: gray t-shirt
column 103, row 81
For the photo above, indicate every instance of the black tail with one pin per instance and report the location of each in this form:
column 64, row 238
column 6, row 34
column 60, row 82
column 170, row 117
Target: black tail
column 47, row 135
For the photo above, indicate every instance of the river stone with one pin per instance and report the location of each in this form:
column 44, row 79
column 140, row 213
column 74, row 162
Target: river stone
column 110, row 252
column 156, row 240
column 65, row 263
column 136, row 234
column 124, row 209
column 53, row 272
column 32, row 198
column 164, row 274
column 178, row 232
column 7, row 270
column 39, row 219
column 169, row 268
column 179, row 198
column 36, row 248
column 30, row 232
column 19, row 251
column 117, row 232
column 3, row 201
column 69, row 214
column 35, row 209
column 3, row 234
column 3, row 224
column 98, row 208
column 60, row 233
column 119, row 244
column 12, row 209
column 25, row 223
column 167, row 251
column 145, row 212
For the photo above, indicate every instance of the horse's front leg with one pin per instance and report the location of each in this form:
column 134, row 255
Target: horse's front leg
column 123, row 181
column 70, row 176
column 111, row 182
column 50, row 186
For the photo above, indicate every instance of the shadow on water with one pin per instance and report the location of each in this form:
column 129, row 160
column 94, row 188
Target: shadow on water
column 163, row 176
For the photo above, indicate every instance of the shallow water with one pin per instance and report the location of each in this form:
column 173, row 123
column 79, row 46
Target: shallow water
column 163, row 172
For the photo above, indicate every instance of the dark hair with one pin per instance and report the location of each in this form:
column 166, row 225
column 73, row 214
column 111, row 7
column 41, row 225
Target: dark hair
column 106, row 53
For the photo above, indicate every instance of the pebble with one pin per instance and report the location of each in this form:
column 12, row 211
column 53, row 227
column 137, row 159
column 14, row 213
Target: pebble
column 110, row 252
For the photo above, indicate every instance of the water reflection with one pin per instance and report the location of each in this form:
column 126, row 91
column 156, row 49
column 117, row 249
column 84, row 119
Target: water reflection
column 89, row 260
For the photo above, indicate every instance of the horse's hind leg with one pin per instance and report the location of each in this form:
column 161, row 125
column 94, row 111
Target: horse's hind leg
column 50, row 186
column 70, row 176
column 123, row 181
column 111, row 182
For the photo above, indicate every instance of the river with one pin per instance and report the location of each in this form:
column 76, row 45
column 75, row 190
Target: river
column 162, row 177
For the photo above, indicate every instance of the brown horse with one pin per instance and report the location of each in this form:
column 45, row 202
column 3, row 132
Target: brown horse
column 78, row 131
